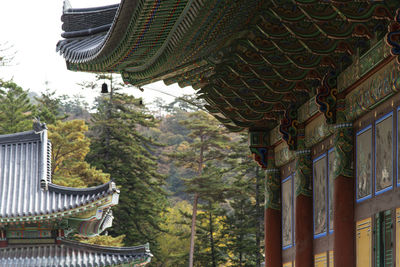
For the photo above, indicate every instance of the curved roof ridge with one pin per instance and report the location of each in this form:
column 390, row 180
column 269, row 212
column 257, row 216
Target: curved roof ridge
column 109, row 186
column 120, row 250
column 19, row 137
column 90, row 50
column 70, row 9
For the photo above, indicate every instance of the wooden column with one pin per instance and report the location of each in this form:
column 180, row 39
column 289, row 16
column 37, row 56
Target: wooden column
column 343, row 225
column 273, row 215
column 304, row 236
column 264, row 156
column 273, row 236
column 60, row 236
column 343, row 196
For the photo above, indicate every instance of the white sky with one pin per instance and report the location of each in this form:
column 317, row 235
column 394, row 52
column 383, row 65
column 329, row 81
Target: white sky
column 34, row 28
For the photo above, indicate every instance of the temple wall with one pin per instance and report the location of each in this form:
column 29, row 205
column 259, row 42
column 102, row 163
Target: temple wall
column 369, row 89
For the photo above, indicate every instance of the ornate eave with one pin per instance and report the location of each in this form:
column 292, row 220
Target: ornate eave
column 250, row 60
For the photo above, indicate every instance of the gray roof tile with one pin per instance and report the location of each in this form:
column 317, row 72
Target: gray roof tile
column 25, row 185
column 70, row 253
column 85, row 30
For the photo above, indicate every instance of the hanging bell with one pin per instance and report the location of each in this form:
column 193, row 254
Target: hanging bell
column 104, row 88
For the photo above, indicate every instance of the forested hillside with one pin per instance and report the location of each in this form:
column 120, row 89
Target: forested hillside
column 173, row 163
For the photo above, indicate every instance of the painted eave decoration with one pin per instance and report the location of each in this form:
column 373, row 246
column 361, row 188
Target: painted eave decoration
column 250, row 60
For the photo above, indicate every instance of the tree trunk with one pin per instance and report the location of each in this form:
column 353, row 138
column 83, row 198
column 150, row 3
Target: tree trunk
column 214, row 264
column 241, row 234
column 258, row 220
column 194, row 213
column 193, row 230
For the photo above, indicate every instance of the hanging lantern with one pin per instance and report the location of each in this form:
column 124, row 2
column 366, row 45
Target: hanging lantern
column 104, row 88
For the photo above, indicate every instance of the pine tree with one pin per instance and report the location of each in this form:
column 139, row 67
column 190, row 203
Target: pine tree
column 243, row 221
column 212, row 190
column 240, row 225
column 118, row 148
column 16, row 110
column 173, row 242
column 210, row 139
column 49, row 108
column 7, row 54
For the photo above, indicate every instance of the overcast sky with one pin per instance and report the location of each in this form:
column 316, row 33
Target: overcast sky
column 34, row 28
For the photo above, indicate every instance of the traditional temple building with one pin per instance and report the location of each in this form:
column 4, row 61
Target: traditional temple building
column 315, row 83
column 37, row 215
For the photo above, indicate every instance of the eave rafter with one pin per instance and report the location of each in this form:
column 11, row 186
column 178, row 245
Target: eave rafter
column 249, row 60
column 286, row 54
column 58, row 215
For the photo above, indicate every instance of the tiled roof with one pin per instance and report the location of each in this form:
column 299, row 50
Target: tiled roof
column 250, row 60
column 76, row 20
column 70, row 253
column 85, row 30
column 25, row 183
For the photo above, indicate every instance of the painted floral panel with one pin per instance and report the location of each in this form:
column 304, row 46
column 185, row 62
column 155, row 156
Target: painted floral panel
column 364, row 163
column 331, row 186
column 320, row 197
column 287, row 211
column 384, row 153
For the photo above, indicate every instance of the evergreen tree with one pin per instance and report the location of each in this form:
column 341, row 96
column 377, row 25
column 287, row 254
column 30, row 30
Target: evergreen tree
column 75, row 107
column 212, row 190
column 69, row 168
column 240, row 225
column 119, row 149
column 243, row 220
column 173, row 242
column 187, row 103
column 16, row 110
column 49, row 107
column 210, row 139
column 7, row 54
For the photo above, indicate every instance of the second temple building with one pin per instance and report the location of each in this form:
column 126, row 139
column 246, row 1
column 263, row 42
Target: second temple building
column 36, row 215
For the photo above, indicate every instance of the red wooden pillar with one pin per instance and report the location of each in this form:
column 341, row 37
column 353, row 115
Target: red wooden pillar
column 273, row 216
column 304, row 236
column 264, row 156
column 343, row 198
column 3, row 239
column 343, row 225
column 273, row 236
